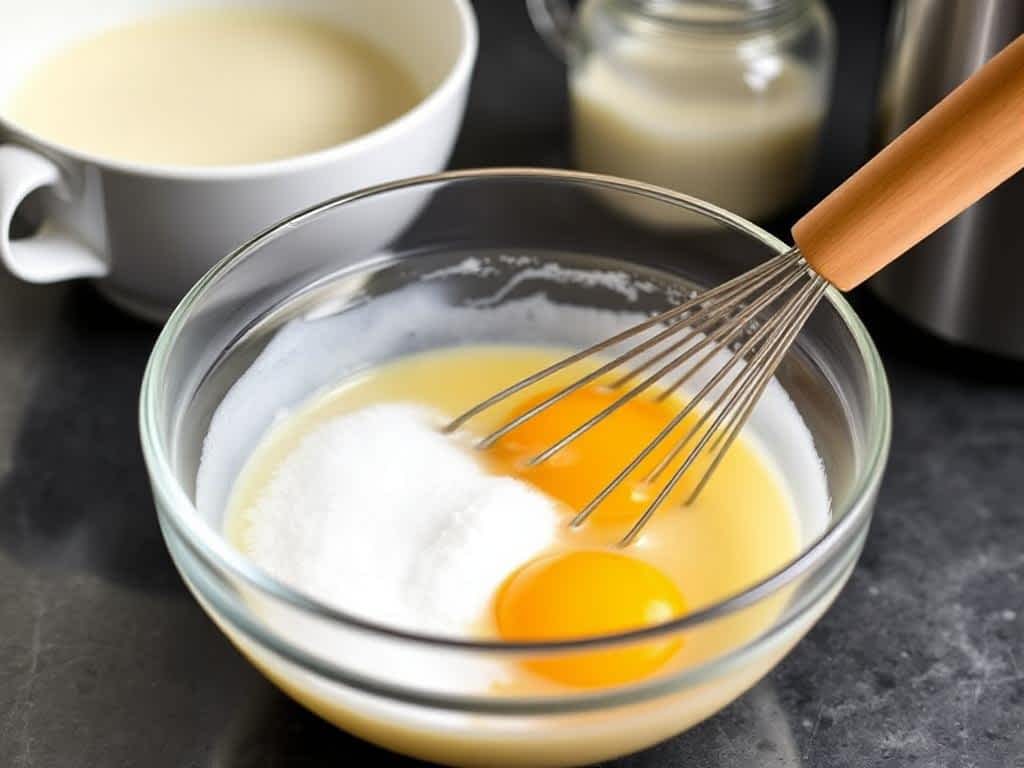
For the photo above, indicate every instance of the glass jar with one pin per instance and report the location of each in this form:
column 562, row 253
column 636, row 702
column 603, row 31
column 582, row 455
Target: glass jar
column 720, row 99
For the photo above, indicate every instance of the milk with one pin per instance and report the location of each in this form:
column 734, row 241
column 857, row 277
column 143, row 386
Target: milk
column 701, row 122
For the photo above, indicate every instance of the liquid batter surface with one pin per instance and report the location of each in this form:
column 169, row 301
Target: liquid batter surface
column 742, row 527
column 213, row 87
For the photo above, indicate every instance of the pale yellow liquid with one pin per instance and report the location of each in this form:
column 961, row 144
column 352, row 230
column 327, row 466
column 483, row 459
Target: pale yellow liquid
column 213, row 87
column 742, row 528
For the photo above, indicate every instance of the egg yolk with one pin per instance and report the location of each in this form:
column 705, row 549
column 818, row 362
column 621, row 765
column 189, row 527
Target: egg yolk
column 584, row 593
column 580, row 470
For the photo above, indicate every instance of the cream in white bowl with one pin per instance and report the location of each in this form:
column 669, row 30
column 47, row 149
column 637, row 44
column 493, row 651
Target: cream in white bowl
column 145, row 219
column 214, row 86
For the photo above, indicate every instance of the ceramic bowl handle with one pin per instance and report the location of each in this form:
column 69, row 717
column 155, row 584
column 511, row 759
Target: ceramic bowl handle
column 50, row 255
column 552, row 19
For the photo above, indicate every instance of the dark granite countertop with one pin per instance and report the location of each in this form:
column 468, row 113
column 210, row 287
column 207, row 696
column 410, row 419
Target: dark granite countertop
column 105, row 660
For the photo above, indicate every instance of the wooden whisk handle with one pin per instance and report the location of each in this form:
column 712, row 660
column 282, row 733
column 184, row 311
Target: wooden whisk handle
column 960, row 150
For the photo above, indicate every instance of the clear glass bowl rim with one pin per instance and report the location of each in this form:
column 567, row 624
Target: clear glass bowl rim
column 221, row 557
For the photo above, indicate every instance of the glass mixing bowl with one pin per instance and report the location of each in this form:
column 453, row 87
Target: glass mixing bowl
column 390, row 270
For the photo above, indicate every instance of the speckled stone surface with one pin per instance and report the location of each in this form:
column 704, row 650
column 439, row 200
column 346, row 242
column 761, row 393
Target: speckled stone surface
column 105, row 660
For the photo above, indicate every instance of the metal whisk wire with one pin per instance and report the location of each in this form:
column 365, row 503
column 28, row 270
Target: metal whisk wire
column 942, row 164
column 698, row 331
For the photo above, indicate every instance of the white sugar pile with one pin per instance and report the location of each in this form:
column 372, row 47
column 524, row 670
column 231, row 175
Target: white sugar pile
column 379, row 514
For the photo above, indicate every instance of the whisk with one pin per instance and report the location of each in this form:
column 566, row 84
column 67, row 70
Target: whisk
column 734, row 336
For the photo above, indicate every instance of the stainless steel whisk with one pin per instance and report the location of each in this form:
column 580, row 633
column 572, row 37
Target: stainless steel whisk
column 738, row 333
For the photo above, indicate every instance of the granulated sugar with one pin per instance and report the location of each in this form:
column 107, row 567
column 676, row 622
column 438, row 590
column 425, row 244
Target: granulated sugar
column 379, row 514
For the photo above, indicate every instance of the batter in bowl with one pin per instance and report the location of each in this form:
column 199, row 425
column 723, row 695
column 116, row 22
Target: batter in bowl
column 313, row 442
column 358, row 499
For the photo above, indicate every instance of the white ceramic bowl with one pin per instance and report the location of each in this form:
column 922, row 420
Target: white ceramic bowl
column 146, row 233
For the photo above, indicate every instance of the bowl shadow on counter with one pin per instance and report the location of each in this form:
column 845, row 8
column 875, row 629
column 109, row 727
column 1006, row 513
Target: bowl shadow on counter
column 273, row 730
column 75, row 497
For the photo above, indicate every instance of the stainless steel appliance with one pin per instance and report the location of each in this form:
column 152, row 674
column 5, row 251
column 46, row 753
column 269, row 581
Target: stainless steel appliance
column 965, row 283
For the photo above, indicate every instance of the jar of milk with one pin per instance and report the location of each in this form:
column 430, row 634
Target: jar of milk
column 720, row 99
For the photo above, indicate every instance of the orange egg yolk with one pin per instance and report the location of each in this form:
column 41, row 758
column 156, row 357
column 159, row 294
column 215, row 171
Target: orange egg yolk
column 585, row 593
column 578, row 472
